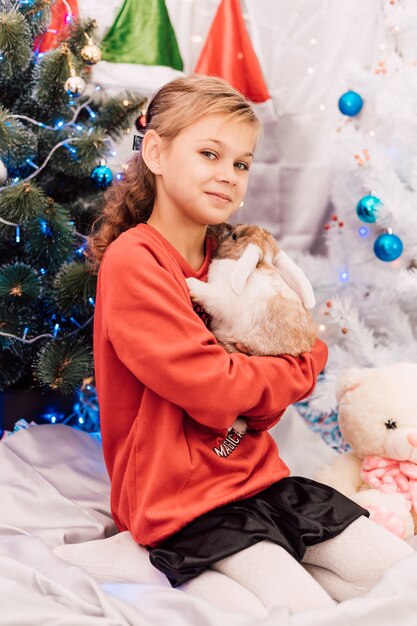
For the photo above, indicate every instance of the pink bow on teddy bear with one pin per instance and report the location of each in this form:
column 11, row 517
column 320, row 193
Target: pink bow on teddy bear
column 391, row 476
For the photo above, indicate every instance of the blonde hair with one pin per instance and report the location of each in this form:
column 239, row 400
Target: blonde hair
column 175, row 106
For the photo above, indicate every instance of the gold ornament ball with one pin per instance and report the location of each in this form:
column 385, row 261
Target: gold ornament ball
column 91, row 54
column 74, row 86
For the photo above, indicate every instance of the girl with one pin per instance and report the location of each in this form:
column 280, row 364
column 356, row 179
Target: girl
column 217, row 510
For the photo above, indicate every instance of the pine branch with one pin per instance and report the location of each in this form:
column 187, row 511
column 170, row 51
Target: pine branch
column 15, row 42
column 63, row 364
column 75, row 288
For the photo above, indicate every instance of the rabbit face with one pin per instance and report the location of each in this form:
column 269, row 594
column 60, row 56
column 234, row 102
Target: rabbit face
column 236, row 241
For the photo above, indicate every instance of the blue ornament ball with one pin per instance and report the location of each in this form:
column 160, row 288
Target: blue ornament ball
column 367, row 209
column 102, row 176
column 350, row 103
column 388, row 247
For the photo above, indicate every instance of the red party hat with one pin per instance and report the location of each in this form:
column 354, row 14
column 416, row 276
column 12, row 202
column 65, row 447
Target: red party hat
column 59, row 25
column 228, row 53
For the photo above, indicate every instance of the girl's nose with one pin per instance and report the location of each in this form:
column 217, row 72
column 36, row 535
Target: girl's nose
column 227, row 174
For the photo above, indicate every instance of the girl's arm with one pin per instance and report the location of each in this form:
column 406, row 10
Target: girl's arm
column 317, row 358
column 148, row 318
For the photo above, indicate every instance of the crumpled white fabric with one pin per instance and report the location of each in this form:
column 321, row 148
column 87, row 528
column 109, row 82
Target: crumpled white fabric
column 54, row 484
column 54, row 489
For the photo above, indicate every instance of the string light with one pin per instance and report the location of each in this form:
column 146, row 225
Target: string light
column 344, row 276
column 44, row 335
column 58, row 145
column 91, row 112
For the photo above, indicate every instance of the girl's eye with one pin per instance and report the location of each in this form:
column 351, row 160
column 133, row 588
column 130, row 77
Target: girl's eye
column 209, row 154
column 241, row 166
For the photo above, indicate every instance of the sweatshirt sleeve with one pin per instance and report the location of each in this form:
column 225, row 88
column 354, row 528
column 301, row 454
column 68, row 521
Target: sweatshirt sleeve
column 148, row 317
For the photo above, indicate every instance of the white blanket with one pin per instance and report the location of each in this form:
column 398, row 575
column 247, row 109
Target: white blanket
column 54, row 490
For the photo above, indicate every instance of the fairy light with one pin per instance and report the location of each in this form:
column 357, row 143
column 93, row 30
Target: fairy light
column 363, row 231
column 46, row 335
column 344, row 276
column 322, row 107
column 310, row 70
column 91, row 112
column 313, row 41
column 322, row 328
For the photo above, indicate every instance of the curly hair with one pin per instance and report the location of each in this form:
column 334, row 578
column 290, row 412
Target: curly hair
column 175, row 106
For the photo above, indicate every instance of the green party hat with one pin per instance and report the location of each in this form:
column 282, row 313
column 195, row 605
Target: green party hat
column 142, row 33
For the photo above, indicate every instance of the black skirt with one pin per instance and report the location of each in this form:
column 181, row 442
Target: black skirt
column 294, row 513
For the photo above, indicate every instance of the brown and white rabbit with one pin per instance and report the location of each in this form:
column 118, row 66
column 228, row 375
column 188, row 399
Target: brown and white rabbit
column 256, row 295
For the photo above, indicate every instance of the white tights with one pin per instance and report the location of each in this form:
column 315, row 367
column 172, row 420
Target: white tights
column 262, row 576
column 343, row 567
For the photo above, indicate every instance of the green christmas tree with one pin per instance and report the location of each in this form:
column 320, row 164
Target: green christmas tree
column 56, row 131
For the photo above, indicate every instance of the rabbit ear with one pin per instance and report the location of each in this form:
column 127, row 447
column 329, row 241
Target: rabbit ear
column 245, row 265
column 295, row 278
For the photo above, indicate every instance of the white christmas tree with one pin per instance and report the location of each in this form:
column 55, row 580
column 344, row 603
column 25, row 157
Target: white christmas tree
column 366, row 286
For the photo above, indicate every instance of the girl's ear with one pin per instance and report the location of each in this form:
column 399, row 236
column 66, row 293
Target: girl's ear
column 151, row 151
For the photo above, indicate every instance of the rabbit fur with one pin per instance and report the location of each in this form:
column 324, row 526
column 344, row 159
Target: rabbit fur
column 256, row 296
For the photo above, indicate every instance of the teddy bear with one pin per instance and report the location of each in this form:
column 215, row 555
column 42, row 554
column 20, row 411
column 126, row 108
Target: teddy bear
column 378, row 419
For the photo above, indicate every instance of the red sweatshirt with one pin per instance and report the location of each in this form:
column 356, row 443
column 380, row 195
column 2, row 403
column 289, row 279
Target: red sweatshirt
column 168, row 394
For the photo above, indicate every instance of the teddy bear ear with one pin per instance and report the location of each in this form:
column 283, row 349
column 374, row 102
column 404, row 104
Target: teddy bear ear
column 349, row 380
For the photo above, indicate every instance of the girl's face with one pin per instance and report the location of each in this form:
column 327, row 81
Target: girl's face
column 204, row 171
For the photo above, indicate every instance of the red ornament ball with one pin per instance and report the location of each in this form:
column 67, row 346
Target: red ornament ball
column 140, row 122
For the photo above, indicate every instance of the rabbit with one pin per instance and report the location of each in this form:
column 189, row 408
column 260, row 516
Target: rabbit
column 256, row 296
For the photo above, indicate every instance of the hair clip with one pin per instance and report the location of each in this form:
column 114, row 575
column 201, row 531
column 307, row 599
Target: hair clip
column 137, row 142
